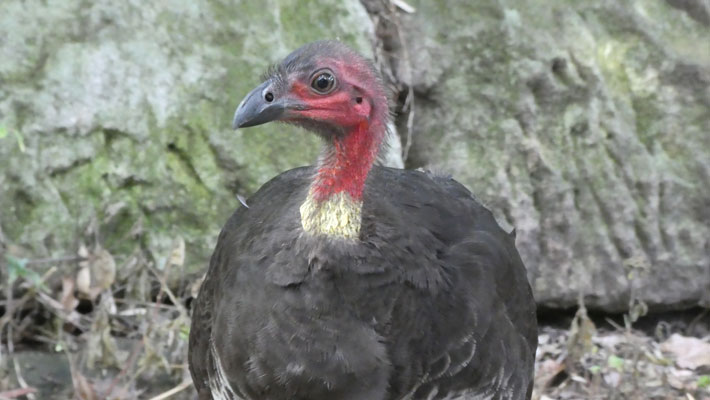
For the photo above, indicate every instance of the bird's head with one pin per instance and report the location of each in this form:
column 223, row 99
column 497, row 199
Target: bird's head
column 325, row 87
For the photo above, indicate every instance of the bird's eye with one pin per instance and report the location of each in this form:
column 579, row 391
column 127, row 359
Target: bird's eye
column 323, row 82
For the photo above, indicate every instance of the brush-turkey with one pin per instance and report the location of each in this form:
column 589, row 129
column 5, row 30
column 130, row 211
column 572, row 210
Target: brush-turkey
column 348, row 280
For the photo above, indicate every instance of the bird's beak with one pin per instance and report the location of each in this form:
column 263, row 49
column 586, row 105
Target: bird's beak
column 259, row 108
column 256, row 110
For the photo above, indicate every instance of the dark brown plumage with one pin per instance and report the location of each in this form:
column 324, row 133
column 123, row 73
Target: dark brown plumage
column 348, row 281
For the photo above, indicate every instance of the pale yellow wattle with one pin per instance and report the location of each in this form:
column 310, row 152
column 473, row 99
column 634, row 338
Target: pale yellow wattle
column 339, row 216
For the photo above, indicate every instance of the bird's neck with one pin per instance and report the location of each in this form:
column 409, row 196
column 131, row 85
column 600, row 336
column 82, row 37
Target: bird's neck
column 334, row 202
column 347, row 161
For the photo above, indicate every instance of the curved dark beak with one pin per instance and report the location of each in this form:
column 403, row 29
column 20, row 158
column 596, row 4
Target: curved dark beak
column 256, row 108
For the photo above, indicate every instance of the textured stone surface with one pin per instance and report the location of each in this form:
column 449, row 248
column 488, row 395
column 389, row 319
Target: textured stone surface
column 586, row 125
column 120, row 112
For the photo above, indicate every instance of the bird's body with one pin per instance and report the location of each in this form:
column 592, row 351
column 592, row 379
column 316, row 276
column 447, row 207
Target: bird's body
column 348, row 281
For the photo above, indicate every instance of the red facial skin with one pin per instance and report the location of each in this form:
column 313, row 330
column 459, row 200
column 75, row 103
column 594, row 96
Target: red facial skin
column 361, row 112
column 351, row 162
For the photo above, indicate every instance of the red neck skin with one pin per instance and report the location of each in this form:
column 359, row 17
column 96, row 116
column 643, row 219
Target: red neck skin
column 346, row 169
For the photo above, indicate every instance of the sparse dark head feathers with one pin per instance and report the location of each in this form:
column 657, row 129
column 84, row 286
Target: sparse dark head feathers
column 311, row 56
column 302, row 59
column 305, row 56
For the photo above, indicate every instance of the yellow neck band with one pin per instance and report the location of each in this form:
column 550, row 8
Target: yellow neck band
column 339, row 216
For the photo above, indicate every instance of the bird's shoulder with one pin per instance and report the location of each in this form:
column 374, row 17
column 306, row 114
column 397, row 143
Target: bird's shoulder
column 273, row 196
column 435, row 202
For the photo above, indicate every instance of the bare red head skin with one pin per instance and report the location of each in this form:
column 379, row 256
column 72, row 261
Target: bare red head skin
column 330, row 89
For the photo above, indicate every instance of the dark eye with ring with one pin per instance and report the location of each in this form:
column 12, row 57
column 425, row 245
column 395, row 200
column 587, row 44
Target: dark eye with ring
column 323, row 82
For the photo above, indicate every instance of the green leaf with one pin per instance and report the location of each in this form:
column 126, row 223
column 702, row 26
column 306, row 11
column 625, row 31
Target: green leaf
column 3, row 131
column 185, row 332
column 616, row 362
column 704, row 381
column 594, row 369
column 17, row 268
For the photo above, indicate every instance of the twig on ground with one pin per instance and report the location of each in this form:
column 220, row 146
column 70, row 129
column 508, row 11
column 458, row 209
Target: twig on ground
column 14, row 393
column 137, row 347
column 56, row 260
column 164, row 288
column 614, row 324
column 177, row 389
column 12, row 306
column 18, row 371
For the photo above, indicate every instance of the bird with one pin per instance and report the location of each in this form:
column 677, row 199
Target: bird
column 350, row 280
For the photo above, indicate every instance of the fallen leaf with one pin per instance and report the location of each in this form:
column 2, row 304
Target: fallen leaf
column 83, row 251
column 177, row 255
column 548, row 370
column 612, row 378
column 703, row 381
column 679, row 379
column 11, row 394
column 82, row 387
column 616, row 362
column 689, row 352
column 97, row 272
column 103, row 268
column 580, row 341
column 610, row 340
column 83, row 281
column 69, row 302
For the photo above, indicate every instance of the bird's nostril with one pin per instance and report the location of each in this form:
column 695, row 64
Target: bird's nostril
column 269, row 97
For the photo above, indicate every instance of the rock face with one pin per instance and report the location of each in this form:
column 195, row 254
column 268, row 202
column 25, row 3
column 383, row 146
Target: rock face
column 586, row 125
column 119, row 113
